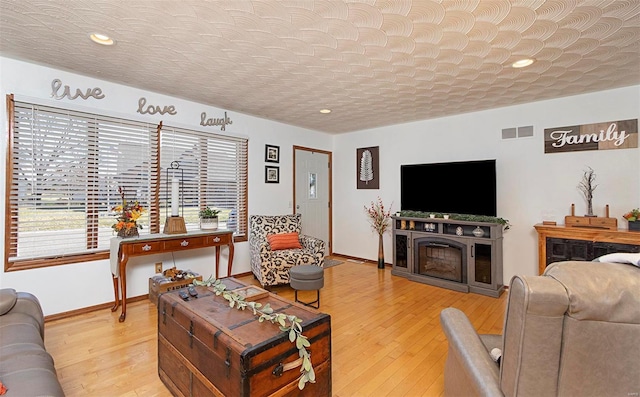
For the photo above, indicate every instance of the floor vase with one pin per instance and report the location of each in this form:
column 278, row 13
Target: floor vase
column 380, row 252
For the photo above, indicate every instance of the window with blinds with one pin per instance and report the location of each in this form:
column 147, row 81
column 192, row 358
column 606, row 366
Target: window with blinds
column 213, row 172
column 66, row 167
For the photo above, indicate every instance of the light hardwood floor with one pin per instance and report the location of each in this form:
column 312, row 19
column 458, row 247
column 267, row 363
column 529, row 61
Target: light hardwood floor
column 386, row 338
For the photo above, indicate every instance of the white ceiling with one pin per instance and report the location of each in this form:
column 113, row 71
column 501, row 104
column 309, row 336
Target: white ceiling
column 374, row 63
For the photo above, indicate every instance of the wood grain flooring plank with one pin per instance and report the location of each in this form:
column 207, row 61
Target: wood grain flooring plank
column 386, row 338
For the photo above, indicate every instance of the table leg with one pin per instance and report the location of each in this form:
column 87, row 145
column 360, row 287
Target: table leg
column 116, row 292
column 123, row 287
column 231, row 249
column 217, row 260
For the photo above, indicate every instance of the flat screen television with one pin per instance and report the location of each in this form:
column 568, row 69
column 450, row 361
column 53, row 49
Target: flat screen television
column 464, row 187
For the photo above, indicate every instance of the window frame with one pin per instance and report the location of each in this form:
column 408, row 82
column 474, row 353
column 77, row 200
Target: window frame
column 156, row 212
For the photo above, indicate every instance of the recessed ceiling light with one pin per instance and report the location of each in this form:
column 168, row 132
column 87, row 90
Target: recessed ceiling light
column 325, row 111
column 101, row 39
column 522, row 63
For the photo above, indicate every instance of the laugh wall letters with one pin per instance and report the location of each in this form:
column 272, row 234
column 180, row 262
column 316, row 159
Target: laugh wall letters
column 599, row 136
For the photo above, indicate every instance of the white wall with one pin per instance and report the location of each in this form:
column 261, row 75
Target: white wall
column 530, row 182
column 70, row 287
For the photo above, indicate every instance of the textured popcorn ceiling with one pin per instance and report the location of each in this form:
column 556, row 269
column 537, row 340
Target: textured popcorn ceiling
column 373, row 63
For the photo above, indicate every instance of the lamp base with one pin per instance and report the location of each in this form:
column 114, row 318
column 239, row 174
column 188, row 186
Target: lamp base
column 175, row 225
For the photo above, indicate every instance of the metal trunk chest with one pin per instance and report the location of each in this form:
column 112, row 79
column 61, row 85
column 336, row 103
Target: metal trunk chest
column 206, row 348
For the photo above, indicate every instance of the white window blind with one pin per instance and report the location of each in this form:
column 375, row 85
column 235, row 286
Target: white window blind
column 67, row 166
column 213, row 169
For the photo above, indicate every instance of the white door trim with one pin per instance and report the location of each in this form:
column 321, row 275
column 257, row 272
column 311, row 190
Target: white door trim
column 329, row 248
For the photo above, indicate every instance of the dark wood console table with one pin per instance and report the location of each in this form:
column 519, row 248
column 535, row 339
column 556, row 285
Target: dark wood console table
column 560, row 242
column 123, row 249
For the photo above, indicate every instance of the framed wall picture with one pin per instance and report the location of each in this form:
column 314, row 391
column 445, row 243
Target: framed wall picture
column 367, row 168
column 271, row 174
column 271, row 154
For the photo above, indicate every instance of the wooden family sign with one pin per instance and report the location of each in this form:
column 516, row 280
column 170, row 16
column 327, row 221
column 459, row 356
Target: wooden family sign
column 599, row 136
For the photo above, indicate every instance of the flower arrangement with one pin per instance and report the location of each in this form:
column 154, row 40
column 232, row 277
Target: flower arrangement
column 127, row 217
column 378, row 217
column 633, row 215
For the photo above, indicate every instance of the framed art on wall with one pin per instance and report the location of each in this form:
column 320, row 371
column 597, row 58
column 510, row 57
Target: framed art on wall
column 367, row 168
column 271, row 154
column 271, row 174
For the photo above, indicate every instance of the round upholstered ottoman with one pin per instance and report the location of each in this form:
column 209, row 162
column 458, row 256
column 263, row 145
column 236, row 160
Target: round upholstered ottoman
column 307, row 278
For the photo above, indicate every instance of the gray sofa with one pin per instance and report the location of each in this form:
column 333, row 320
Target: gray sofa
column 26, row 369
column 574, row 331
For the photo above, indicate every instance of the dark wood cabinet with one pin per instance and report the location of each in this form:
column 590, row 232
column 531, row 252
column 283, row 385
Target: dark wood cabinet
column 562, row 249
column 562, row 243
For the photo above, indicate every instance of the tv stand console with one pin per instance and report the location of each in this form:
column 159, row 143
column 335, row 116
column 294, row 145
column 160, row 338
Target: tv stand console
column 460, row 255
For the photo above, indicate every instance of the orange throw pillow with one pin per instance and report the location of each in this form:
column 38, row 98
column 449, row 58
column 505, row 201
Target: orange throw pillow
column 284, row 241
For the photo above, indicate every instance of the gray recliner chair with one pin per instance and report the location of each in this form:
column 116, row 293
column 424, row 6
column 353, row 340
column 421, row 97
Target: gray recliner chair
column 573, row 331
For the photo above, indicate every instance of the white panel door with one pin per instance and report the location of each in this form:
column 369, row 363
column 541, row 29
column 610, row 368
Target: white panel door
column 312, row 193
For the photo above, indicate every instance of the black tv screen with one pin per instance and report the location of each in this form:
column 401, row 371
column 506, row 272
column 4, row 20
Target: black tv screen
column 465, row 187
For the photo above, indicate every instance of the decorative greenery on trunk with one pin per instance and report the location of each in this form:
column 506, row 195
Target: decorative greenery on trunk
column 265, row 313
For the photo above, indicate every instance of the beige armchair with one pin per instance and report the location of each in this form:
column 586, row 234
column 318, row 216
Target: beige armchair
column 271, row 266
column 574, row 331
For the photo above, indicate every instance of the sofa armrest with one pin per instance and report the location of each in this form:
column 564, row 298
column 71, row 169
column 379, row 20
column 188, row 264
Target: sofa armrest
column 312, row 244
column 22, row 302
column 8, row 297
column 469, row 369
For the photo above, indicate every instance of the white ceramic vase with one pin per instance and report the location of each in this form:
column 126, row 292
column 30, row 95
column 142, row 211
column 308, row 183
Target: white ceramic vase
column 209, row 223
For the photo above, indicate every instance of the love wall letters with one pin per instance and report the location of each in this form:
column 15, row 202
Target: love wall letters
column 151, row 109
column 599, row 136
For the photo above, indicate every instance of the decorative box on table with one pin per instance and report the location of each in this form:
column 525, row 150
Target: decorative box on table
column 159, row 284
column 207, row 348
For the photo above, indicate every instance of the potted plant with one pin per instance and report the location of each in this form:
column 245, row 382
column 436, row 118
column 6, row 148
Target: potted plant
column 633, row 217
column 209, row 218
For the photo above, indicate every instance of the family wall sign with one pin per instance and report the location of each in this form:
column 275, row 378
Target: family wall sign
column 598, row 136
column 58, row 91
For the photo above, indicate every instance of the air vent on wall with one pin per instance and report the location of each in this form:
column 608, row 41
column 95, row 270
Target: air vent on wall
column 520, row 132
column 525, row 131
column 508, row 133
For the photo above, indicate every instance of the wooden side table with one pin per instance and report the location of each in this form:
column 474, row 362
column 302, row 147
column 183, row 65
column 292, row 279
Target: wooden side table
column 123, row 249
column 588, row 239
